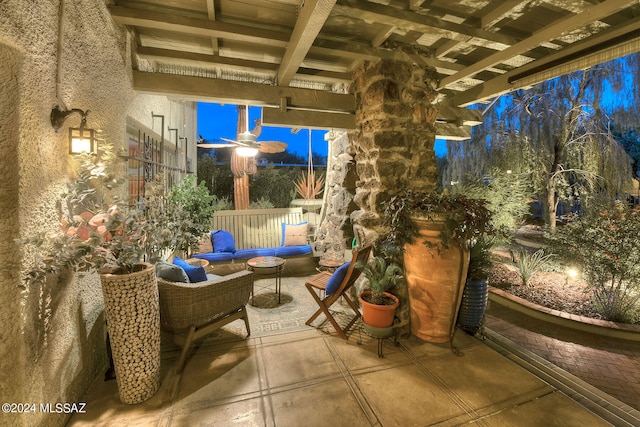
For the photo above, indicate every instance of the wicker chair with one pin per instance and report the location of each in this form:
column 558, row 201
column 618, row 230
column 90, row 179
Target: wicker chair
column 193, row 310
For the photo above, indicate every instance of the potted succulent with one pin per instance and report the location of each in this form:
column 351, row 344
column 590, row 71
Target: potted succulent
column 378, row 305
column 434, row 229
column 100, row 233
column 476, row 290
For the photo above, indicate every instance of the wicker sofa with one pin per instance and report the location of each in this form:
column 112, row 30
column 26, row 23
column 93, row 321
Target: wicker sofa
column 193, row 310
column 257, row 232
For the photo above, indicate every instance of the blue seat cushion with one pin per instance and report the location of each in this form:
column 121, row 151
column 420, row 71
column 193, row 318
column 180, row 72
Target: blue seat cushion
column 215, row 256
column 336, row 278
column 222, row 241
column 253, row 252
column 195, row 273
column 171, row 272
column 285, row 251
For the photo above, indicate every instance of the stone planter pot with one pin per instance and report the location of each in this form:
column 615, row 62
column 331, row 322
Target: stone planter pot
column 473, row 305
column 435, row 280
column 378, row 316
column 133, row 320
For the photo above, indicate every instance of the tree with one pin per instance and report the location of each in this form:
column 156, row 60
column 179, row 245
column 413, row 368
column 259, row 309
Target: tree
column 556, row 131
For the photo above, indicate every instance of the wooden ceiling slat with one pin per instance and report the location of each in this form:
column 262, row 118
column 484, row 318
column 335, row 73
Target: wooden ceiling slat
column 480, row 49
column 549, row 32
column 195, row 26
column 406, row 19
column 225, row 91
column 311, row 18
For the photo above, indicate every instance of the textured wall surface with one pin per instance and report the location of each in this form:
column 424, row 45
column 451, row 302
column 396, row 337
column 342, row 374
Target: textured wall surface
column 52, row 337
column 336, row 230
column 394, row 136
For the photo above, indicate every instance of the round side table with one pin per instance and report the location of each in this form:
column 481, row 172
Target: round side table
column 265, row 265
column 329, row 265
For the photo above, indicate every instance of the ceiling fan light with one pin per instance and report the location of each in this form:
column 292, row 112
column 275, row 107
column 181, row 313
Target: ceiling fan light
column 246, row 151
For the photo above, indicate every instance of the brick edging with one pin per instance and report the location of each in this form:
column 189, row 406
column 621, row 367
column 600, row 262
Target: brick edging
column 595, row 326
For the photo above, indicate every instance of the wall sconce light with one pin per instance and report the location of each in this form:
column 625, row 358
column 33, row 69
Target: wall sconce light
column 81, row 139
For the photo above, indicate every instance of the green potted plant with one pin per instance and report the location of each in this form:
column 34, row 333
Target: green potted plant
column 101, row 233
column 378, row 305
column 476, row 289
column 434, row 229
column 194, row 207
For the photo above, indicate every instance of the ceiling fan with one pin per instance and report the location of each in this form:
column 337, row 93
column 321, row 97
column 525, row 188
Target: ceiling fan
column 246, row 144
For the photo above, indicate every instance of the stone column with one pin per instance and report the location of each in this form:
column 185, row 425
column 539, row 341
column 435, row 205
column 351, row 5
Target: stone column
column 393, row 144
column 335, row 233
column 394, row 137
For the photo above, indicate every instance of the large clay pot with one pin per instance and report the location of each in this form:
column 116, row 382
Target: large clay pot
column 378, row 316
column 133, row 319
column 435, row 279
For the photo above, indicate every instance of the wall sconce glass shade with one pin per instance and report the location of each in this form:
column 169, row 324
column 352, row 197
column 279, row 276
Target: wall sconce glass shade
column 82, row 140
column 246, row 151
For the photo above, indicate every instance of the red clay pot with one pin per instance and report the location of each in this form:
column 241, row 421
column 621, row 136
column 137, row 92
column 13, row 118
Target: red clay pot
column 378, row 316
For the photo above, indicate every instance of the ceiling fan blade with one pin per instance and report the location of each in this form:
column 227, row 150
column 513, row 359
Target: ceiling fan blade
column 230, row 141
column 272, row 146
column 207, row 145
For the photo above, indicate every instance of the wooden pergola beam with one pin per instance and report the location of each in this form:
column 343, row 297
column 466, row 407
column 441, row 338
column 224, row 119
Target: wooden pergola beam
column 197, row 26
column 452, row 132
column 422, row 23
column 547, row 33
column 229, row 91
column 307, row 119
column 571, row 58
column 311, row 17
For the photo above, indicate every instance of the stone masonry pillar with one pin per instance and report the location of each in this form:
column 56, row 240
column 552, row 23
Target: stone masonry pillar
column 393, row 143
column 394, row 137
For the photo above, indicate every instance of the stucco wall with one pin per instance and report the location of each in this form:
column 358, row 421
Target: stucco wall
column 52, row 336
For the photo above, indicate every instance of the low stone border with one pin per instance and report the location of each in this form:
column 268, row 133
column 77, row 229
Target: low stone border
column 586, row 324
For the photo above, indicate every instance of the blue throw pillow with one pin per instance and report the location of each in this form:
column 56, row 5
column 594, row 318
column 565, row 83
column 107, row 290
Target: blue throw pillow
column 222, row 241
column 195, row 273
column 171, row 272
column 336, row 278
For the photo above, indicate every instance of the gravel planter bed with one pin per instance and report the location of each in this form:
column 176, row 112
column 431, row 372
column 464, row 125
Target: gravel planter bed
column 548, row 289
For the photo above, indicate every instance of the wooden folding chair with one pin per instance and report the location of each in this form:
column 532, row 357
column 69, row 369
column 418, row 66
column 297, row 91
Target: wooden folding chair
column 317, row 286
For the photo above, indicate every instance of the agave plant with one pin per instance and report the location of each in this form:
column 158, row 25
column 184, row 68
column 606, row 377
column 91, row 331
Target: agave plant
column 309, row 187
column 382, row 276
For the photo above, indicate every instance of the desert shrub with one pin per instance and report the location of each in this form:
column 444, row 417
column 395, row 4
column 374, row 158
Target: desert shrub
column 223, row 203
column 261, row 203
column 527, row 264
column 507, row 198
column 196, row 206
column 217, row 178
column 274, row 184
column 605, row 245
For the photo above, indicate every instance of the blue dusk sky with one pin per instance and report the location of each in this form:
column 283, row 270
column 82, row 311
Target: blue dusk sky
column 216, row 121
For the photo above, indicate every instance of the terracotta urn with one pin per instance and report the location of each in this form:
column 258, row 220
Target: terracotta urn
column 435, row 279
